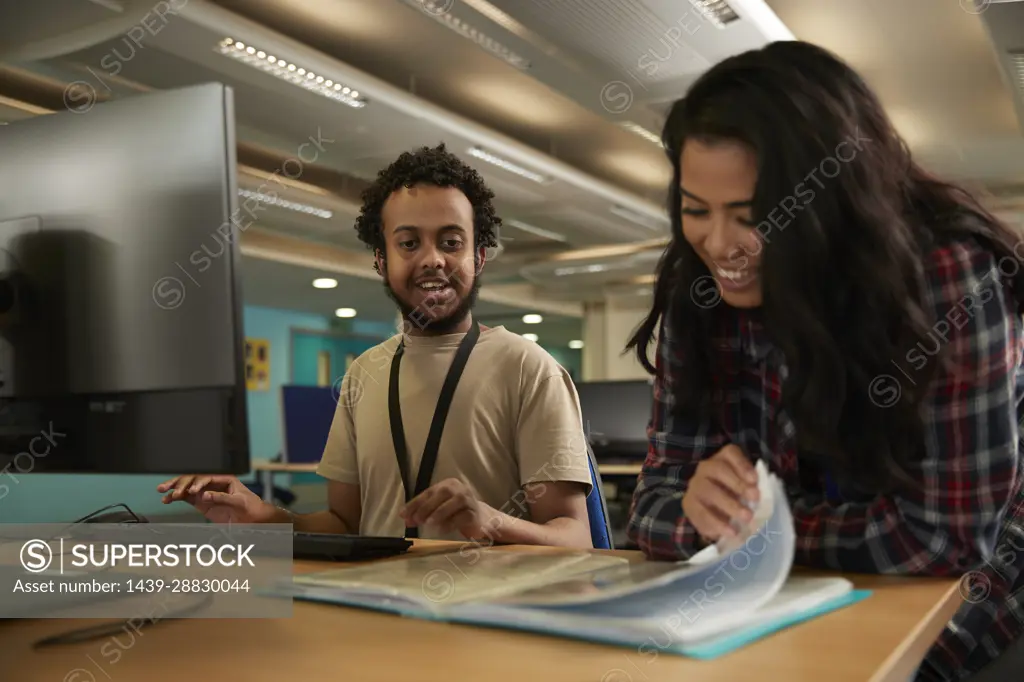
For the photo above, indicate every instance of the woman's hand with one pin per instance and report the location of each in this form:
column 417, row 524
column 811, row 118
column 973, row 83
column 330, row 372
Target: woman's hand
column 719, row 493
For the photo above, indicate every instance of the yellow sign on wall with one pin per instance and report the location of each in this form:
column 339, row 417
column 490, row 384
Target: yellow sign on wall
column 257, row 364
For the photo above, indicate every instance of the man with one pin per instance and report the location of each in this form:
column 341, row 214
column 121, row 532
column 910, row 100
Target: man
column 511, row 461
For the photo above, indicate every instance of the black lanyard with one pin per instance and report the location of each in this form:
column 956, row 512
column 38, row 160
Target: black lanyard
column 444, row 401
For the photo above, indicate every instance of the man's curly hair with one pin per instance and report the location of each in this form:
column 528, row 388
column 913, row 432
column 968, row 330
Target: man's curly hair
column 434, row 166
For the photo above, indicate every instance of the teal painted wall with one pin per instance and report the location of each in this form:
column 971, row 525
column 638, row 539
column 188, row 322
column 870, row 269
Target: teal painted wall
column 265, row 406
column 306, row 348
column 57, row 498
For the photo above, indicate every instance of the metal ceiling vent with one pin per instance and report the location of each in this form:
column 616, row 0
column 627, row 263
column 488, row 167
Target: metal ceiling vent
column 443, row 12
column 645, row 39
column 1017, row 60
column 718, row 12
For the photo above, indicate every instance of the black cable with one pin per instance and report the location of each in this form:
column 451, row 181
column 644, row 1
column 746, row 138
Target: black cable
column 111, row 628
column 84, row 519
column 128, row 509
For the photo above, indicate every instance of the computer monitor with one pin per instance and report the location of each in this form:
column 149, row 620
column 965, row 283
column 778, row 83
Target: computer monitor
column 615, row 417
column 121, row 342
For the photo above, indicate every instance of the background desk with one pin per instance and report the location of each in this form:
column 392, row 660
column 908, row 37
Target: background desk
column 266, row 471
column 880, row 639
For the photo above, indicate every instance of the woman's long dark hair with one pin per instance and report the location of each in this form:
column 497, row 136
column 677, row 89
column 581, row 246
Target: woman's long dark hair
column 843, row 279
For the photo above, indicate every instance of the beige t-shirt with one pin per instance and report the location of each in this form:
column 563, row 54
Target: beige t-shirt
column 514, row 419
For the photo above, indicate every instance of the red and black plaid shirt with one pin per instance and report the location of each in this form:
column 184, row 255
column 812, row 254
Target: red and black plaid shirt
column 968, row 515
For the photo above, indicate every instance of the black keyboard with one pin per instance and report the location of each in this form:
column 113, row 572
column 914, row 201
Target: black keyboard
column 320, row 546
column 332, row 547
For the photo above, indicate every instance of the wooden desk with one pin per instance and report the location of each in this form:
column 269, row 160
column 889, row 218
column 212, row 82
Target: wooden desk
column 625, row 469
column 285, row 467
column 266, row 470
column 880, row 639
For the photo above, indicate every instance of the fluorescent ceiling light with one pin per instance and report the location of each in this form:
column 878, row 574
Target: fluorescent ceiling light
column 291, row 73
column 531, row 337
column 1018, row 64
column 594, row 267
column 440, row 11
column 718, row 12
column 325, row 283
column 540, row 232
column 576, row 344
column 496, row 15
column 272, row 200
column 532, row 318
column 345, row 312
column 642, row 132
column 649, row 222
column 484, row 155
column 580, row 269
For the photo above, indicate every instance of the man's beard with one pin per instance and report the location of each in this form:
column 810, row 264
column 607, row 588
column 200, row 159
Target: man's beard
column 413, row 318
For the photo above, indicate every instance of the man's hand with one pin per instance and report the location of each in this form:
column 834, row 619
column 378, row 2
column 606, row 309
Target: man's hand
column 449, row 505
column 221, row 499
column 718, row 492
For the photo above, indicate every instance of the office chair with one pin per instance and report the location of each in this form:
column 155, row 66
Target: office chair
column 306, row 416
column 597, row 507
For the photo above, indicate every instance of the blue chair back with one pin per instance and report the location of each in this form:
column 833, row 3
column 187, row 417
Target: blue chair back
column 597, row 507
column 307, row 413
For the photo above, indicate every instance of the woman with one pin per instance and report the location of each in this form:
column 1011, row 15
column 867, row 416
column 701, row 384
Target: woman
column 828, row 307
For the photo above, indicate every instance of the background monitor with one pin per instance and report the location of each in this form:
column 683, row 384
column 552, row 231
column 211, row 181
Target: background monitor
column 121, row 342
column 615, row 417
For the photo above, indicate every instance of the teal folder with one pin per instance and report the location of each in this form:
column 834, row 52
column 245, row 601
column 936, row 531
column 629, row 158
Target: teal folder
column 607, row 631
column 723, row 598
